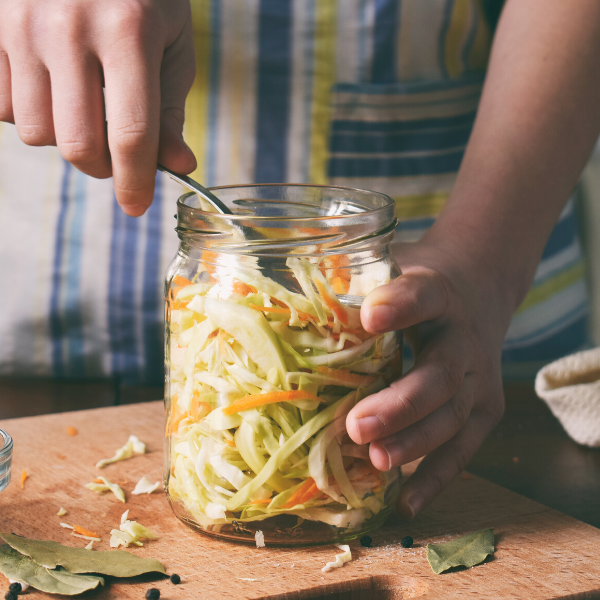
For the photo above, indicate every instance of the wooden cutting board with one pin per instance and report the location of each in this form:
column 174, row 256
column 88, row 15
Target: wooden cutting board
column 541, row 553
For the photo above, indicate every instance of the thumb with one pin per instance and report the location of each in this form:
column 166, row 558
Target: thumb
column 417, row 296
column 177, row 74
column 173, row 152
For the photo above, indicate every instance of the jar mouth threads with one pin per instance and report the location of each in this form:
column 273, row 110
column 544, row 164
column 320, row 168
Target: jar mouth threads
column 6, row 448
column 283, row 220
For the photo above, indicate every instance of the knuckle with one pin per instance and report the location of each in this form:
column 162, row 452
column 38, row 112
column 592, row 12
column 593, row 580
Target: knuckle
column 34, row 134
column 19, row 16
column 460, row 412
column 132, row 137
column 409, row 408
column 80, row 151
column 451, row 374
column 460, row 457
column 132, row 18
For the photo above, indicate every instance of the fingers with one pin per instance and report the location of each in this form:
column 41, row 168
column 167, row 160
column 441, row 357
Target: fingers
column 442, row 465
column 6, row 112
column 414, row 297
column 78, row 111
column 32, row 101
column 426, row 435
column 177, row 75
column 133, row 121
column 435, row 378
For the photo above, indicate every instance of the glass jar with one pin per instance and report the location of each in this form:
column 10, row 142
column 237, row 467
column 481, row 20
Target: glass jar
column 6, row 447
column 265, row 357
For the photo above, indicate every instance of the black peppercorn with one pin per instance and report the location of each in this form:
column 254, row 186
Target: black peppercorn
column 175, row 579
column 366, row 541
column 406, row 542
column 15, row 588
column 10, row 596
column 152, row 594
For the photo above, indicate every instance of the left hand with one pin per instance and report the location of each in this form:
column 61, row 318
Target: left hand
column 454, row 317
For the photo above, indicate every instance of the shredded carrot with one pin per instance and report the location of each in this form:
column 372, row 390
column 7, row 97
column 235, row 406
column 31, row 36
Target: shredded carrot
column 177, row 304
column 82, row 531
column 300, row 493
column 312, row 492
column 24, row 476
column 98, row 480
column 230, row 443
column 71, row 430
column 243, row 289
column 271, row 309
column 355, row 378
column 181, row 281
column 255, row 400
column 332, row 304
column 278, row 302
column 208, row 259
column 340, row 285
column 174, row 423
column 261, row 501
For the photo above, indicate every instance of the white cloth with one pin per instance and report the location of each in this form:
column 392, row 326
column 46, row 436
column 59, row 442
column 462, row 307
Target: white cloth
column 570, row 386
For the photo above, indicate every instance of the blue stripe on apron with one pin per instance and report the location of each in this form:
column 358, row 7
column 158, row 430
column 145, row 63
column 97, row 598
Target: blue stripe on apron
column 152, row 314
column 382, row 142
column 213, row 98
column 442, row 37
column 121, row 295
column 73, row 321
column 396, row 166
column 564, row 341
column 56, row 328
column 273, row 90
column 384, row 41
column 562, row 236
column 398, row 126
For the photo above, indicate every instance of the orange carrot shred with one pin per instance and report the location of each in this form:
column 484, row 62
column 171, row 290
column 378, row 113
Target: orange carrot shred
column 24, row 476
column 332, row 304
column 98, row 480
column 356, row 378
column 71, row 430
column 254, row 400
column 271, row 309
column 299, row 493
column 261, row 501
column 243, row 289
column 230, row 443
column 82, row 531
column 339, row 285
column 181, row 281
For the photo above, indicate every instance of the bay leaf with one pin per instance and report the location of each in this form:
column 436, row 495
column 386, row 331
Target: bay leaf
column 117, row 563
column 54, row 581
column 467, row 551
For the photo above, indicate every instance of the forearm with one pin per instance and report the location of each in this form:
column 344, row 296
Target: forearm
column 537, row 122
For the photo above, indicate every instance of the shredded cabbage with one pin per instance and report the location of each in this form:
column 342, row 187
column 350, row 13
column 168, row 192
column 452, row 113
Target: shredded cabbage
column 242, row 447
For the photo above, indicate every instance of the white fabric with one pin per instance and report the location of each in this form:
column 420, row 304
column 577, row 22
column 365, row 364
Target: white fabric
column 571, row 388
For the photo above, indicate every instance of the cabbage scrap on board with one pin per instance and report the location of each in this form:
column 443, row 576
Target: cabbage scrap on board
column 260, row 381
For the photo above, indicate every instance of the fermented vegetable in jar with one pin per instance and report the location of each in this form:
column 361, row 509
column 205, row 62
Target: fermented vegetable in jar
column 266, row 355
column 6, row 448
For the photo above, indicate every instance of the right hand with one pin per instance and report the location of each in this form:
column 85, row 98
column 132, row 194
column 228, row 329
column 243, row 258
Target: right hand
column 55, row 58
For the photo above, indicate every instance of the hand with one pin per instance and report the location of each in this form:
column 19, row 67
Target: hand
column 55, row 57
column 454, row 317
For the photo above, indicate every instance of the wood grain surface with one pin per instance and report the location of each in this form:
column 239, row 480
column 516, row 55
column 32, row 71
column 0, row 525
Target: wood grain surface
column 541, row 553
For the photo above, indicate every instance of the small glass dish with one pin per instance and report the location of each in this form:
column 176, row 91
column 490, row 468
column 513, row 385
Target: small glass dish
column 6, row 448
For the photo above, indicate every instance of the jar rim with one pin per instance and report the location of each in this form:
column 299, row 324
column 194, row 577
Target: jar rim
column 389, row 201
column 7, row 444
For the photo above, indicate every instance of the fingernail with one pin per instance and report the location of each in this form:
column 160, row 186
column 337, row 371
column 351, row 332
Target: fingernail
column 413, row 505
column 381, row 317
column 394, row 454
column 369, row 428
